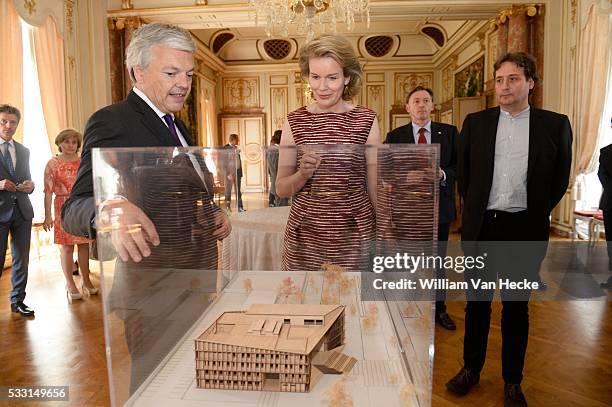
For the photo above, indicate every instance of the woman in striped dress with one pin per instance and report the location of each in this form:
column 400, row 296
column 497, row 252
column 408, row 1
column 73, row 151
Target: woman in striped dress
column 330, row 174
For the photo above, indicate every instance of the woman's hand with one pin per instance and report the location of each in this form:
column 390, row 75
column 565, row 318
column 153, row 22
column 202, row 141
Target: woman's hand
column 47, row 224
column 308, row 165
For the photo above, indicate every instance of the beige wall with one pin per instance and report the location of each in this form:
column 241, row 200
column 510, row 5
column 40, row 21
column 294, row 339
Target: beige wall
column 279, row 92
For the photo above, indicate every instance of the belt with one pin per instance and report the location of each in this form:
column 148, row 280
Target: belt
column 494, row 214
column 331, row 193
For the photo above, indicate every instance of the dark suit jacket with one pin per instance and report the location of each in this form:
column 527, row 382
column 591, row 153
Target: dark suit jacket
column 446, row 136
column 605, row 176
column 548, row 169
column 22, row 173
column 165, row 293
column 129, row 123
column 232, row 166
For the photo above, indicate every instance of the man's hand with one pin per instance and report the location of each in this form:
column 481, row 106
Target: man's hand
column 440, row 174
column 26, row 186
column 131, row 230
column 223, row 226
column 7, row 185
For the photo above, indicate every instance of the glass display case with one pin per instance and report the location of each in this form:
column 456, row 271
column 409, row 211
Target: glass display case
column 170, row 266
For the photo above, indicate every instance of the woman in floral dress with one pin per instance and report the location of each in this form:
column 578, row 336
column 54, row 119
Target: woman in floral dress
column 60, row 174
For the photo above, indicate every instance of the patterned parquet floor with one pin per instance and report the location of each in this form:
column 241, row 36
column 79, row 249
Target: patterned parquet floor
column 568, row 359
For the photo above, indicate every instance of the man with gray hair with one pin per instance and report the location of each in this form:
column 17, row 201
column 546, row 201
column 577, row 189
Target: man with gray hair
column 173, row 252
column 160, row 60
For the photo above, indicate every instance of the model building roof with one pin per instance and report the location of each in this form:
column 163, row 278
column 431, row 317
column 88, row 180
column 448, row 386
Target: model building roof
column 263, row 326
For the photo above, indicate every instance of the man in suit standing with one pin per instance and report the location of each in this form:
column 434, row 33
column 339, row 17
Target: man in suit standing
column 233, row 173
column 161, row 67
column 16, row 211
column 605, row 204
column 422, row 130
column 513, row 169
column 173, row 252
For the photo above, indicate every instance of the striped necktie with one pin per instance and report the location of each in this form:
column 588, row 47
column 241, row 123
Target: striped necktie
column 8, row 160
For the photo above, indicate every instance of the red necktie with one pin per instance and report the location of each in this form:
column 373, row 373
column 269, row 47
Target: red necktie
column 422, row 139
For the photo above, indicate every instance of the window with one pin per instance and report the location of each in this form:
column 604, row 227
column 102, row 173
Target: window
column 34, row 128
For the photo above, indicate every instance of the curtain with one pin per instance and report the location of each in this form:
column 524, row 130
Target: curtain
column 49, row 50
column 594, row 63
column 11, row 70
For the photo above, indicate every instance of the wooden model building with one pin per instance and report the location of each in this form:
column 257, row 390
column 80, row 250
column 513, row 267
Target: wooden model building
column 277, row 347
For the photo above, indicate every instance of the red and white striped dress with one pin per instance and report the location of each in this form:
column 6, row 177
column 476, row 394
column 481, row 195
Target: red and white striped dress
column 334, row 222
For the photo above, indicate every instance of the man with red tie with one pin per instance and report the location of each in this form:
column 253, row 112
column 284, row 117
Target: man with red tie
column 419, row 104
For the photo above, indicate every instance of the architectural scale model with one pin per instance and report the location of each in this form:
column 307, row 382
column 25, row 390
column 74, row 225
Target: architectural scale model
column 272, row 347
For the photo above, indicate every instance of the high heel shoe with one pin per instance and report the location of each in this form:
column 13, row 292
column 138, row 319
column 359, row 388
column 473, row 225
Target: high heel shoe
column 89, row 291
column 73, row 296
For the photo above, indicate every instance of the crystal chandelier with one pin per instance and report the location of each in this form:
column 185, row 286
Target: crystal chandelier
column 306, row 15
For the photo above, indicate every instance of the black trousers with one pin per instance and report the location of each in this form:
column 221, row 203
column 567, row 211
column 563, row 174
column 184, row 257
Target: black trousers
column 443, row 232
column 500, row 226
column 607, row 215
column 228, row 191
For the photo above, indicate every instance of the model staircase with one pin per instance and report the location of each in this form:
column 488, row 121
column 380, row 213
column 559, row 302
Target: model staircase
column 333, row 362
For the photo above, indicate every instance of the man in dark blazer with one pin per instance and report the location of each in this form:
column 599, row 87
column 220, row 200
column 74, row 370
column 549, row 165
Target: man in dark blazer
column 16, row 211
column 419, row 104
column 605, row 204
column 166, row 265
column 513, row 169
column 233, row 172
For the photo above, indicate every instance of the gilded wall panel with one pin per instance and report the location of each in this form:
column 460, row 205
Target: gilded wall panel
column 491, row 54
column 375, row 100
column 446, row 93
column 303, row 95
column 405, row 82
column 240, row 93
column 373, row 77
column 278, row 106
column 278, row 80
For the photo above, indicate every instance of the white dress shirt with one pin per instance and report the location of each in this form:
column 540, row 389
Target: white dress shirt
column 509, row 188
column 160, row 114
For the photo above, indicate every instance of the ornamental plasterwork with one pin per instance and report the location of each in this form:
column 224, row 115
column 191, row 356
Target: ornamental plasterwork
column 447, row 83
column 30, row 5
column 126, row 5
column 573, row 11
column 241, row 93
column 491, row 51
column 278, row 98
column 405, row 82
column 531, row 10
column 375, row 100
column 68, row 10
